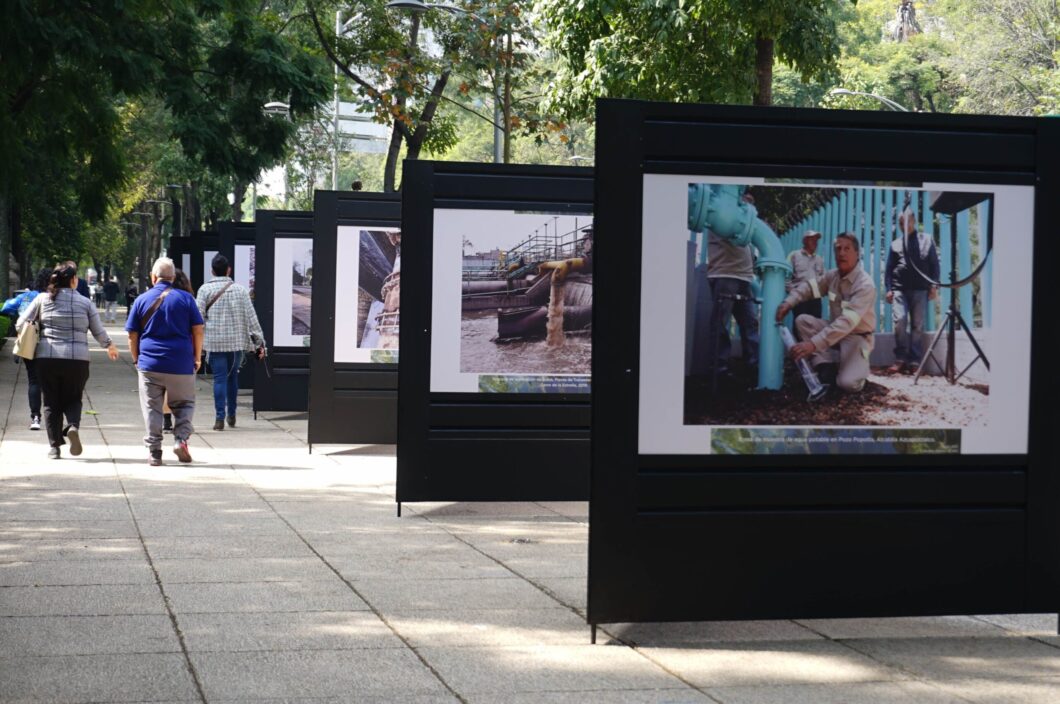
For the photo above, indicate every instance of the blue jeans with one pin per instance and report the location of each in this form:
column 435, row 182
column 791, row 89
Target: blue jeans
column 908, row 307
column 225, row 367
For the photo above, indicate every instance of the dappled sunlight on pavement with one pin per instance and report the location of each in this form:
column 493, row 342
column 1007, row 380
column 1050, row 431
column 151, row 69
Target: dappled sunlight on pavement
column 262, row 572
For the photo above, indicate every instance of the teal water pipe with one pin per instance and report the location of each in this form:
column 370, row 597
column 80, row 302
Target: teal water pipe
column 720, row 209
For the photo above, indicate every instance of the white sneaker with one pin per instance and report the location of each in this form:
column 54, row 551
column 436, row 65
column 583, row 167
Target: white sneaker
column 34, row 423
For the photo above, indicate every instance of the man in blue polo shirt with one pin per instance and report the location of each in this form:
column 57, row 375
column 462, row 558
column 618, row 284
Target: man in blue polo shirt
column 165, row 340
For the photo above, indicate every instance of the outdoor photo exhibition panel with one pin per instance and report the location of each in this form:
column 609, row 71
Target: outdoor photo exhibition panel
column 353, row 375
column 781, row 447
column 179, row 250
column 237, row 244
column 493, row 397
column 202, row 248
column 283, row 287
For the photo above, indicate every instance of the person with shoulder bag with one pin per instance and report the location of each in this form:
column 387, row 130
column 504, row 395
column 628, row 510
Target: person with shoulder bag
column 32, row 380
column 61, row 354
column 232, row 328
column 165, row 339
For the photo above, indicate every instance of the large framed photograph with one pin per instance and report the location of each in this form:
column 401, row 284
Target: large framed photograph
column 781, row 316
column 368, row 262
column 293, row 293
column 243, row 267
column 512, row 300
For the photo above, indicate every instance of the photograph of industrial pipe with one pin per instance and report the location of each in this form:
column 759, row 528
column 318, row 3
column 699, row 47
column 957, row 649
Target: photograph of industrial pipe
column 884, row 293
column 379, row 291
column 526, row 299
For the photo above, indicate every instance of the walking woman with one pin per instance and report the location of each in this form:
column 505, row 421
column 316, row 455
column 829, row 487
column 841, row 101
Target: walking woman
column 39, row 287
column 61, row 358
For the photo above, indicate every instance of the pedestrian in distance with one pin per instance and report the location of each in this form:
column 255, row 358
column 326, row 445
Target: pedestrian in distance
column 82, row 284
column 165, row 339
column 19, row 305
column 110, row 299
column 911, row 257
column 131, row 293
column 232, row 328
column 61, row 357
column 838, row 348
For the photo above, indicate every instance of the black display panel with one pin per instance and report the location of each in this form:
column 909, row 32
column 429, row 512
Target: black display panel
column 283, row 286
column 735, row 496
column 237, row 241
column 203, row 245
column 354, row 372
column 493, row 392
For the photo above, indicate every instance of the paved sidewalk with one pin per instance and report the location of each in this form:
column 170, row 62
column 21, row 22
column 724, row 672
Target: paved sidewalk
column 261, row 573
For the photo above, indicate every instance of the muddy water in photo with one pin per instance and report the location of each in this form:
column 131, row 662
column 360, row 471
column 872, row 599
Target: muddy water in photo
column 479, row 354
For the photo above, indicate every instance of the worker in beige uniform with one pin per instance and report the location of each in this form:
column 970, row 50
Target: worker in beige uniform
column 852, row 310
column 806, row 264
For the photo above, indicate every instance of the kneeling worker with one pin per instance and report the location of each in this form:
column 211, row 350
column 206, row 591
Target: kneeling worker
column 847, row 338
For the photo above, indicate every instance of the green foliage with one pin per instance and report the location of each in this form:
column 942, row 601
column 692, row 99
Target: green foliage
column 680, row 50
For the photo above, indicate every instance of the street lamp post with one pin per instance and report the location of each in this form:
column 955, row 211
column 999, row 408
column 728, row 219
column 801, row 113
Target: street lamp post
column 886, row 101
column 276, row 108
column 500, row 106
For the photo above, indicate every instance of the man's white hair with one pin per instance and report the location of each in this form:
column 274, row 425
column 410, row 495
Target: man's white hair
column 164, row 269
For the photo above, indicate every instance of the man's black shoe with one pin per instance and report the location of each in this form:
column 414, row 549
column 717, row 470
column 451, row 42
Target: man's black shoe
column 231, row 421
column 156, row 458
column 167, row 422
column 827, row 372
column 219, row 424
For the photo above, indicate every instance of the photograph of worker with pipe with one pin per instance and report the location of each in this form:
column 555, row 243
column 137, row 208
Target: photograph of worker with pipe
column 526, row 295
column 829, row 306
column 379, row 292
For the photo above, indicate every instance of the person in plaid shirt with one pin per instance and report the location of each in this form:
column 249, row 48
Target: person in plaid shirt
column 232, row 328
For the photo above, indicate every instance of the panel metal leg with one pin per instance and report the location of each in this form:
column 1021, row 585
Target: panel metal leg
column 310, row 448
column 592, row 634
column 399, row 509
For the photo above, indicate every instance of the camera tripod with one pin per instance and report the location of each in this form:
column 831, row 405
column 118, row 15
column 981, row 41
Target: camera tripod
column 953, row 317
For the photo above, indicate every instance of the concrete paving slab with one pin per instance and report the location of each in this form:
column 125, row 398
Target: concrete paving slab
column 681, row 634
column 352, row 699
column 228, row 546
column 390, row 595
column 1024, row 624
column 479, row 509
column 988, row 691
column 42, row 550
column 85, row 635
column 243, row 569
column 94, row 600
column 569, row 591
column 97, row 678
column 450, row 564
column 560, row 566
column 686, row 695
column 179, row 527
column 321, row 630
column 55, row 573
column 902, row 627
column 790, row 662
column 504, row 671
column 849, row 693
column 462, row 627
column 11, row 530
column 959, row 658
column 320, row 673
column 263, row 597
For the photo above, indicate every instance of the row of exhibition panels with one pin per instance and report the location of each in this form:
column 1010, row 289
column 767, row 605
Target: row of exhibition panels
column 478, row 283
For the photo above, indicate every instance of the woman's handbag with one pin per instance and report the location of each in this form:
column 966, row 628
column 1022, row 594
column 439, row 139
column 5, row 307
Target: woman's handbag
column 26, row 342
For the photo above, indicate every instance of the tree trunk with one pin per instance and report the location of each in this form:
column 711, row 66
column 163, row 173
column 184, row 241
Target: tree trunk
column 392, row 153
column 5, row 246
column 763, row 71
column 238, row 194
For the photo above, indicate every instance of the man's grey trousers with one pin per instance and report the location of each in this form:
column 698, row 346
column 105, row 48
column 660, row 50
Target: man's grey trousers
column 181, row 390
